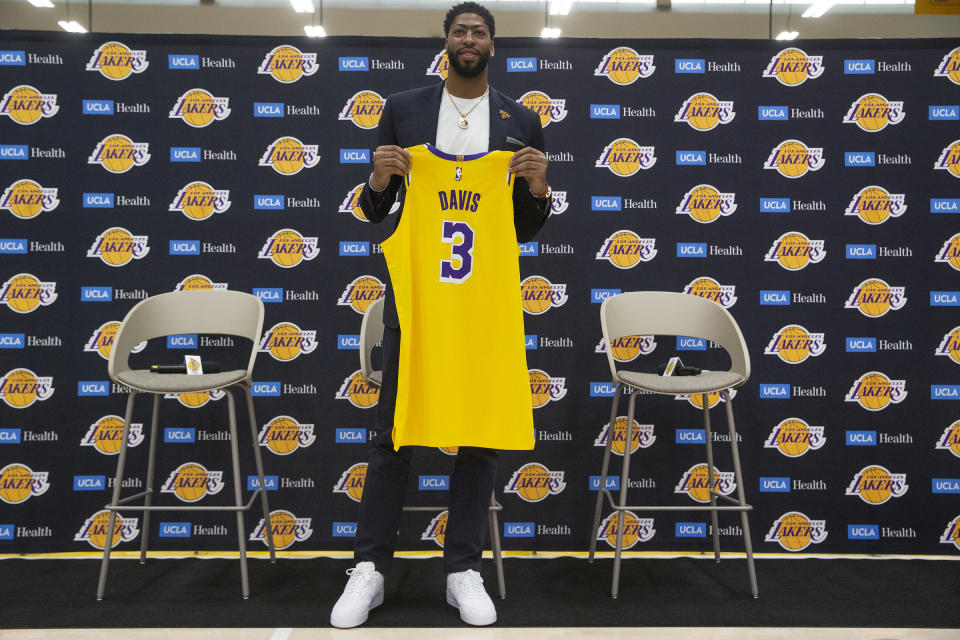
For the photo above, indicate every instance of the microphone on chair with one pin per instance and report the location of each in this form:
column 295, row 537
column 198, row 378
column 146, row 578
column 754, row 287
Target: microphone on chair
column 209, row 366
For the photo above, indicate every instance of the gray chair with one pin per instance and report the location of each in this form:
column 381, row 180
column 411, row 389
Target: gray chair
column 673, row 314
column 208, row 311
column 371, row 333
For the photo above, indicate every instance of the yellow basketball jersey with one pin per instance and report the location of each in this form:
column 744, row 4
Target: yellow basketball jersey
column 453, row 262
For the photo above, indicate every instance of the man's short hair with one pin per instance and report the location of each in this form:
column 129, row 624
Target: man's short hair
column 469, row 7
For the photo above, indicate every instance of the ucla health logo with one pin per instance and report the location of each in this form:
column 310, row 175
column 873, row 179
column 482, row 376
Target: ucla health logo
column 283, row 435
column 705, row 203
column 793, row 437
column 199, row 108
column 874, row 298
column 706, row 287
column 439, row 66
column 285, row 529
column 26, row 105
column 641, row 436
column 285, row 341
column 792, row 67
column 19, row 483
column 544, row 389
column 634, row 529
column 627, row 348
column 101, row 341
column 950, row 439
column 624, row 249
column 874, row 391
column 198, row 282
column 625, row 66
column 351, row 204
column 361, row 293
column 793, row 251
column 117, row 247
column 118, row 154
column 549, row 109
column 875, row 484
column 950, row 252
column 358, row 392
column 192, row 482
column 875, row 205
column 704, row 111
column 106, row 434
column 872, row 112
column 624, row 157
column 533, row 482
column 351, row 481
column 287, row 64
column 287, row 248
column 538, row 295
column 695, row 482
column 793, row 344
column 363, row 109
column 795, row 531
column 21, row 388
column 116, row 61
column 950, row 345
column 24, row 293
column 198, row 200
column 793, row 159
column 26, row 199
column 949, row 68
column 288, row 156
column 949, row 159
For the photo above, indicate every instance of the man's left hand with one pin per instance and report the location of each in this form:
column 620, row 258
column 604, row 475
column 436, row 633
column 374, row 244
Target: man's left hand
column 531, row 164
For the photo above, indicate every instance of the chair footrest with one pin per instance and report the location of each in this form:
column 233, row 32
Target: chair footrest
column 122, row 506
column 736, row 506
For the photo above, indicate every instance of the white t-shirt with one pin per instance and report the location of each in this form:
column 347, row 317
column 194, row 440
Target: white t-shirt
column 475, row 138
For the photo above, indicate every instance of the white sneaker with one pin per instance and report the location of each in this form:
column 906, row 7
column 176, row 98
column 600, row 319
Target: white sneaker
column 465, row 591
column 363, row 592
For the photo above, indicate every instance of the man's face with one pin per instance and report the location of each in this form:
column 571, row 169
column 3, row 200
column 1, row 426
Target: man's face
column 469, row 46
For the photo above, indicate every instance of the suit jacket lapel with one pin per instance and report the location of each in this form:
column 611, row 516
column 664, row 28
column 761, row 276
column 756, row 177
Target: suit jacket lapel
column 428, row 115
column 498, row 126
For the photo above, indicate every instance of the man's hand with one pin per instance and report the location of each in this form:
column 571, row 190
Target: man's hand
column 531, row 164
column 388, row 160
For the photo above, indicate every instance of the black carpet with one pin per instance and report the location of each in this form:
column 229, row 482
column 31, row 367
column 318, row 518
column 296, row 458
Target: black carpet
column 562, row 592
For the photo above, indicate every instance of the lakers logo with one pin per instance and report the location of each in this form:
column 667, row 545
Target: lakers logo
column 950, row 345
column 285, row 529
column 118, row 154
column 627, row 348
column 117, row 61
column 875, row 205
column 285, row 341
column 641, row 436
column 696, row 483
column 793, row 344
column 949, row 67
column 793, row 437
column 359, row 294
column 950, row 252
column 21, row 388
column 118, row 247
column 949, row 159
column 951, row 535
column 287, row 248
column 872, row 112
column 198, row 201
column 793, row 251
column 705, row 203
column 25, row 292
column 26, row 105
column 283, row 435
column 351, row 481
column 102, row 340
column 199, row 108
column 793, row 159
column 192, row 482
column 874, row 391
column 792, row 67
column 624, row 249
column 625, row 66
column 704, row 111
column 363, row 109
column 94, row 530
column 549, row 109
column 199, row 282
column 106, row 435
column 539, row 295
column 437, row 529
column 713, row 399
column 875, row 484
column 288, row 156
column 558, row 203
column 358, row 392
column 440, row 65
column 544, row 389
column 27, row 199
column 533, row 482
column 794, row 531
column 18, row 483
column 196, row 400
column 706, row 287
column 950, row 440
column 351, row 204
column 624, row 157
column 287, row 64
column 874, row 298
column 634, row 530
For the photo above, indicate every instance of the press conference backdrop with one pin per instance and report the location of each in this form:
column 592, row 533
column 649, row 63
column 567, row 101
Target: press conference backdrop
column 811, row 189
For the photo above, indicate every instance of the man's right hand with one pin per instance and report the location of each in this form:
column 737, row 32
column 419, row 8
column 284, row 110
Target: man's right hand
column 388, row 160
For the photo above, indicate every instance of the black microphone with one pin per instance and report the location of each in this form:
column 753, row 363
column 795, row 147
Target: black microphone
column 209, row 366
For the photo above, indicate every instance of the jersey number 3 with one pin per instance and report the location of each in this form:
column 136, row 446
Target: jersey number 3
column 459, row 235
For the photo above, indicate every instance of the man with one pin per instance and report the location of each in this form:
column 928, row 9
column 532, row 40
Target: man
column 462, row 116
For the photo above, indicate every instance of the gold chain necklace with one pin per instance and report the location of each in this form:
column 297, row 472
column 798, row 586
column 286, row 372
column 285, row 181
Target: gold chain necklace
column 462, row 122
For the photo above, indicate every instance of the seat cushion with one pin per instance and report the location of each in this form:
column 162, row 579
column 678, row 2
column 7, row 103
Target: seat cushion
column 706, row 382
column 144, row 380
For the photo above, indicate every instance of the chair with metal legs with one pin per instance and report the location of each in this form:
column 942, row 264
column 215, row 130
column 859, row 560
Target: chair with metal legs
column 673, row 314
column 198, row 312
column 371, row 333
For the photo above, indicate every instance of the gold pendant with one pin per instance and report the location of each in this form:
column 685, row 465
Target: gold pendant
column 462, row 123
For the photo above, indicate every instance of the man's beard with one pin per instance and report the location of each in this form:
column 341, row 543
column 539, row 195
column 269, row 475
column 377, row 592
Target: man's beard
column 469, row 71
